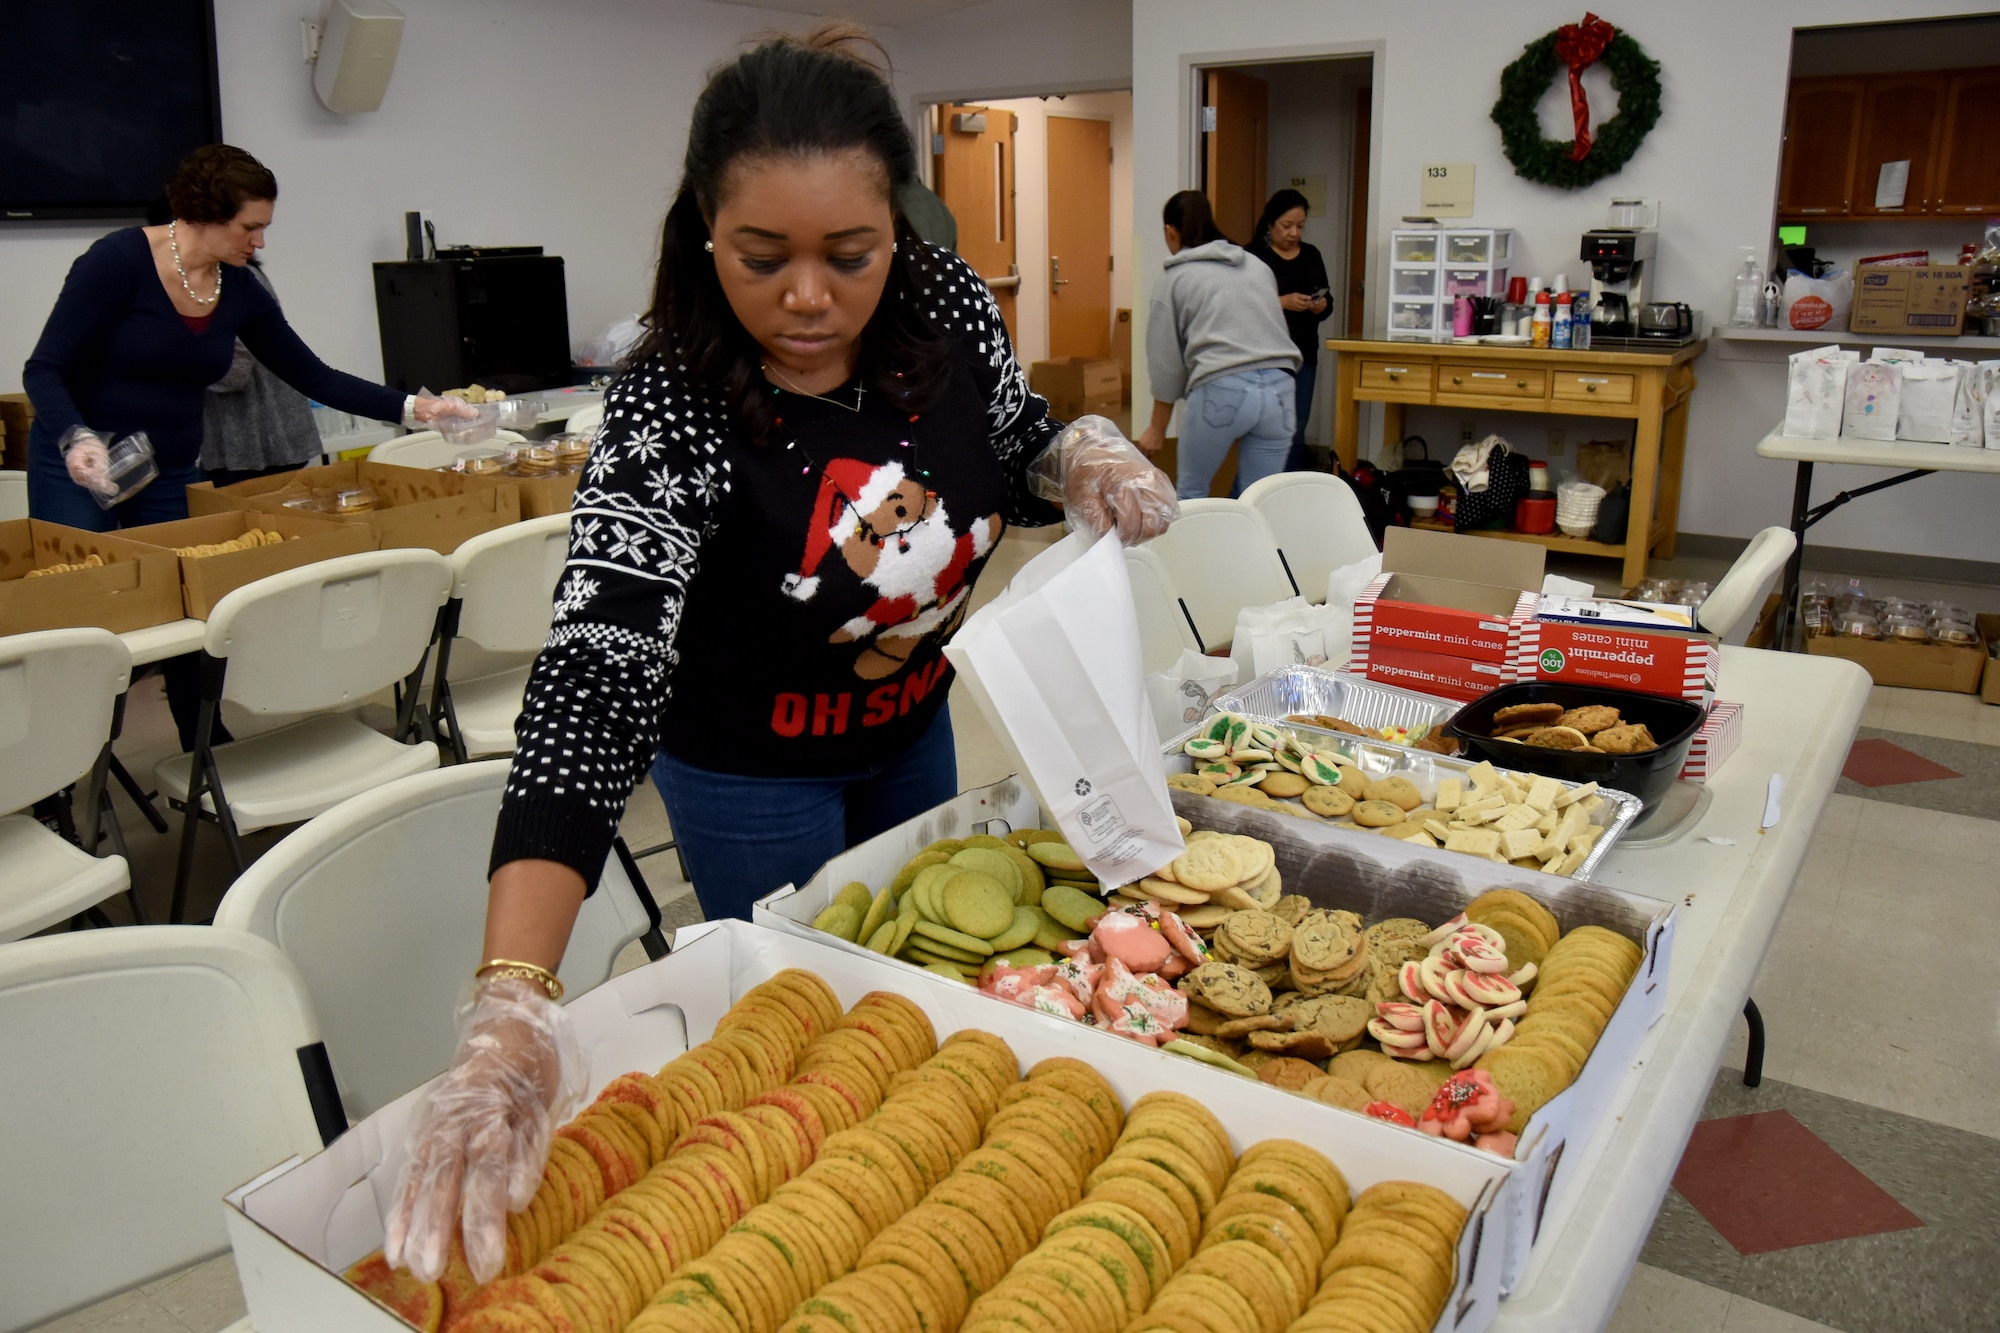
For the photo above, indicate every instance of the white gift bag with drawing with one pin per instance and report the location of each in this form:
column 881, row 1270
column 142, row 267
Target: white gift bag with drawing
column 1179, row 695
column 1054, row 664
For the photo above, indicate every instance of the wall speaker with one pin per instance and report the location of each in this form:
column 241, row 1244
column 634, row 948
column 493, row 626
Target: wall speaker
column 357, row 54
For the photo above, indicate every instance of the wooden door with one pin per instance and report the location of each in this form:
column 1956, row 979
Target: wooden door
column 1968, row 170
column 1079, row 237
column 1236, row 149
column 975, row 178
column 1357, row 214
column 1822, row 124
column 1900, row 119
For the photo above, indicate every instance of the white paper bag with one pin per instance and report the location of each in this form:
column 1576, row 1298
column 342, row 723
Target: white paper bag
column 1989, row 384
column 1179, row 695
column 1873, row 393
column 1968, row 407
column 1053, row 662
column 1293, row 632
column 1348, row 582
column 1929, row 394
column 1815, row 390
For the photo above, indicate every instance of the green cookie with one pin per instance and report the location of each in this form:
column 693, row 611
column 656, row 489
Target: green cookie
column 856, row 895
column 904, row 925
column 879, row 911
column 908, row 874
column 1072, row 907
column 881, row 938
column 993, row 862
column 977, row 904
column 839, row 919
column 931, row 951
column 958, row 939
column 947, row 970
column 1056, row 856
column 1026, row 922
column 1033, row 881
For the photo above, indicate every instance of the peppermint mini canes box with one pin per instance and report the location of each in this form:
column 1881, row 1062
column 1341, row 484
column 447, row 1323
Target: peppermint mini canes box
column 1465, row 600
column 1642, row 646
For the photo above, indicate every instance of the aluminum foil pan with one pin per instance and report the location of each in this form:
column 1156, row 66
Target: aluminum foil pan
column 1380, row 759
column 1277, row 695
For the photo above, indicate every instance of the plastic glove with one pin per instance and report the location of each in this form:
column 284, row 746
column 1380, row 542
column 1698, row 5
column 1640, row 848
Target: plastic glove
column 88, row 461
column 1104, row 483
column 428, row 410
column 481, row 1137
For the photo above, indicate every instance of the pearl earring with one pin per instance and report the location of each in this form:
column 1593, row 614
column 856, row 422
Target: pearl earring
column 708, row 246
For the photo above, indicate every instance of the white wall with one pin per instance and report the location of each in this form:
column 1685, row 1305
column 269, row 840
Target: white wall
column 1031, row 205
column 1011, row 48
column 509, row 121
column 1712, row 161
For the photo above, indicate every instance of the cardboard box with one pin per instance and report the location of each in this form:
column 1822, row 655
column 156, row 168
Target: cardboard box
column 135, row 587
column 207, row 579
column 1989, row 631
column 540, row 496
column 1341, row 868
column 1078, row 386
column 1905, row 302
column 1121, row 351
column 1912, row 666
column 1626, row 645
column 419, row 507
column 294, row 1228
column 1424, row 625
column 1721, row 732
column 17, row 414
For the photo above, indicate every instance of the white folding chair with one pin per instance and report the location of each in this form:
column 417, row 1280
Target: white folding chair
column 427, row 448
column 1318, row 524
column 13, row 495
column 1164, row 631
column 58, row 691
column 1222, row 557
column 315, row 639
column 149, row 1071
column 503, row 586
column 1742, row 587
column 379, row 904
column 585, row 418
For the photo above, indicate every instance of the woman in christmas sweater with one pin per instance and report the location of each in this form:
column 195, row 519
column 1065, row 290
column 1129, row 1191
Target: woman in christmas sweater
column 814, row 452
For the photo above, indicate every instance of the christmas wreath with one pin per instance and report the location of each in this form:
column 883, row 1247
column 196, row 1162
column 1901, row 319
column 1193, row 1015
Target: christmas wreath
column 1585, row 159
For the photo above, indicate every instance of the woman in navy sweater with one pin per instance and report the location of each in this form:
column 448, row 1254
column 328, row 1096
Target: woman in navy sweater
column 148, row 319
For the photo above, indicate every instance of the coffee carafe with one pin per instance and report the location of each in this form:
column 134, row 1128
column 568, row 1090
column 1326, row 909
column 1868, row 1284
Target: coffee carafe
column 1618, row 257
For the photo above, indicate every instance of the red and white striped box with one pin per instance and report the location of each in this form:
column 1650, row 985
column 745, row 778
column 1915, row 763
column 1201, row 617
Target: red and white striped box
column 1440, row 674
column 1718, row 738
column 1673, row 666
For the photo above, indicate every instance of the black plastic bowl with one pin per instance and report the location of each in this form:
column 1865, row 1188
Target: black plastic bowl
column 1673, row 723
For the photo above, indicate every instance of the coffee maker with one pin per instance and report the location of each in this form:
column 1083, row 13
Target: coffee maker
column 1618, row 257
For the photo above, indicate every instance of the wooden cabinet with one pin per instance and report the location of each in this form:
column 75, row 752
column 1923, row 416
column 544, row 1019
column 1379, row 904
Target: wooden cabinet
column 1839, row 131
column 1968, row 159
column 1900, row 118
column 1821, row 125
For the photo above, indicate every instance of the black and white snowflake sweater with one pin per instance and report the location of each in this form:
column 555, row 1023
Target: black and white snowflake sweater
column 775, row 611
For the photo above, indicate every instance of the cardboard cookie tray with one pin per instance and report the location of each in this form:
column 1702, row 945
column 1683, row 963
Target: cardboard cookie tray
column 135, row 586
column 297, row 1226
column 1381, row 759
column 415, row 506
column 207, row 579
column 1337, row 868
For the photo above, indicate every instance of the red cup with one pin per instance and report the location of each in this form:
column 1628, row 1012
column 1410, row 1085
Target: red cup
column 1535, row 514
column 1517, row 291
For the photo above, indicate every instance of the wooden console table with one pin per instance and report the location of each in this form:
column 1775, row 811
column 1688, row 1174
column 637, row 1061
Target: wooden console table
column 1650, row 389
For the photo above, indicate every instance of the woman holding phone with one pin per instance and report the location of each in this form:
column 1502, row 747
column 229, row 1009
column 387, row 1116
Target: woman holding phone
column 1303, row 294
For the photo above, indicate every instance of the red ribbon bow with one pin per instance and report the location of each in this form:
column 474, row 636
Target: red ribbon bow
column 1579, row 45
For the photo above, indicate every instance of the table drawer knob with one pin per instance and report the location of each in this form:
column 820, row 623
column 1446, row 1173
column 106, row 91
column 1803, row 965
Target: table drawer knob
column 1520, row 384
column 1456, row 380
column 1590, row 388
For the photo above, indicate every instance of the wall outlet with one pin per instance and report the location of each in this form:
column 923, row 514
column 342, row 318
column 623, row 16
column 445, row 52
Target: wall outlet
column 1557, row 444
column 1467, row 433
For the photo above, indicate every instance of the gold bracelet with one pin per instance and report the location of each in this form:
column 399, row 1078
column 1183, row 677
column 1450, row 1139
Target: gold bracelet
column 509, row 967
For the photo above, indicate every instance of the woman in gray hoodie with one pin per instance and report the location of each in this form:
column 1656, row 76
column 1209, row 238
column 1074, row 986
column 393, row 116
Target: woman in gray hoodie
column 1216, row 336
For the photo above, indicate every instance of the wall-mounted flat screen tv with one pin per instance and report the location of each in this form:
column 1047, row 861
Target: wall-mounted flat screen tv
column 99, row 100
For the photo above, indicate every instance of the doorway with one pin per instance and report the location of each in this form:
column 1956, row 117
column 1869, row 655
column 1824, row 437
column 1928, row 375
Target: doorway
column 1067, row 216
column 1305, row 125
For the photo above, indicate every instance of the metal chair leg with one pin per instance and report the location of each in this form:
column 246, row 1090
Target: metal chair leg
column 1753, row 1059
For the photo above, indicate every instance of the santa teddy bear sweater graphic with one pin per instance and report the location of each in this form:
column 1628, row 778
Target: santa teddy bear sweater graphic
column 897, row 538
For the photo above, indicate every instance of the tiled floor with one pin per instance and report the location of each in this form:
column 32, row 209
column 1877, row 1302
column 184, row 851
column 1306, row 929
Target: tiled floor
column 1880, row 1066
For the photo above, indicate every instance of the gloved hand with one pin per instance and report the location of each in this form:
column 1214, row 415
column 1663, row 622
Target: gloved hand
column 428, row 410
column 88, row 460
column 1104, row 483
column 482, row 1135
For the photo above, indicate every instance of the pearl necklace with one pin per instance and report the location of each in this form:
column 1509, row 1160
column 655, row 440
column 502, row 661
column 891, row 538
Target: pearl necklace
column 173, row 244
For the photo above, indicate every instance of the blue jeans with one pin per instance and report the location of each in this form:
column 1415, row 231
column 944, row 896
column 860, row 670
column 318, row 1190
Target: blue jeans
column 1256, row 407
column 1308, row 375
column 742, row 836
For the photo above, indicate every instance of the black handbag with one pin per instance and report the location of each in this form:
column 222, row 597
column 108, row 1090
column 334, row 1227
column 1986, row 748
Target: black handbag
column 1371, row 492
column 1506, row 483
column 1614, row 516
column 1418, row 476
